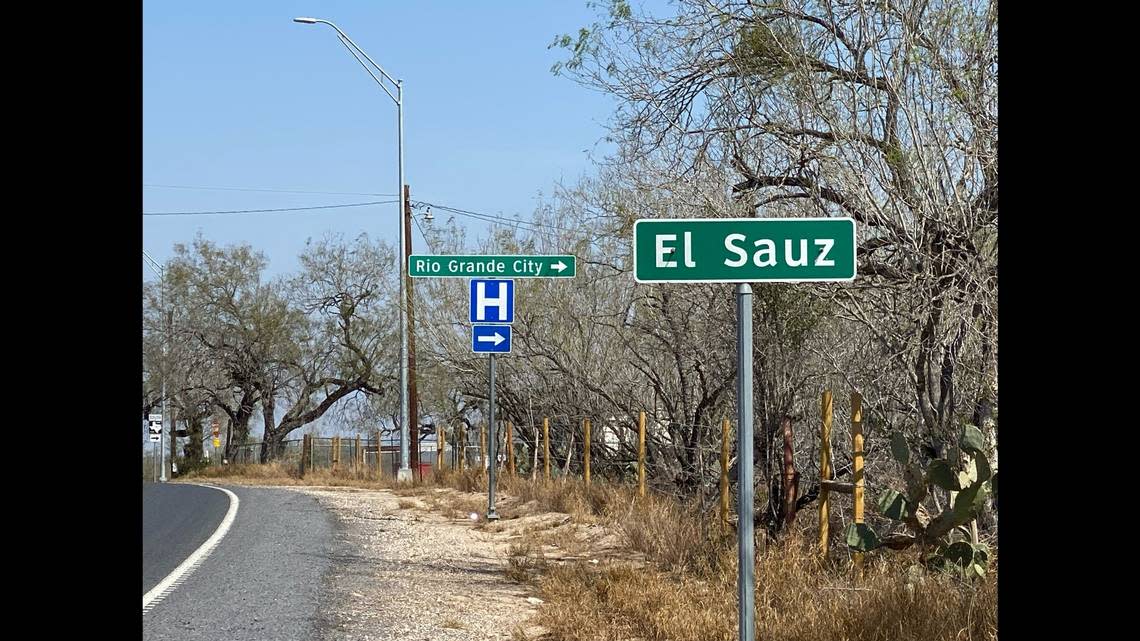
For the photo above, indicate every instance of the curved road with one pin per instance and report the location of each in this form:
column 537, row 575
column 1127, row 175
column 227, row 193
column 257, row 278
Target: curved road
column 262, row 581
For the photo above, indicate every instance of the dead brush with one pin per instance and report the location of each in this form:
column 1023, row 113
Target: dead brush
column 796, row 599
column 469, row 480
column 525, row 561
column 671, row 534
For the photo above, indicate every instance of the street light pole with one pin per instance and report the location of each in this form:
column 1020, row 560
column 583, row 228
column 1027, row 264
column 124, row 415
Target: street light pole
column 161, row 271
column 405, row 472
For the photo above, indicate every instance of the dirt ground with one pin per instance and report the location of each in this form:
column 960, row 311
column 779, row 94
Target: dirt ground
column 408, row 572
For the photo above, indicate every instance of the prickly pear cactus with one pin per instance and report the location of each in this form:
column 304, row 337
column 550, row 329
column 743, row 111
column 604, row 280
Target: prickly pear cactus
column 970, row 481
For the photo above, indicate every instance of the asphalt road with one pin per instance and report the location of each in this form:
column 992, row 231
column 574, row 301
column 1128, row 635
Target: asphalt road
column 176, row 520
column 262, row 581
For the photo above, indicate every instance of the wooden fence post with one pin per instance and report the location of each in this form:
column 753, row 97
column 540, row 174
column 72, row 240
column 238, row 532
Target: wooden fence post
column 483, row 446
column 509, row 443
column 336, row 454
column 824, row 469
column 380, row 456
column 358, row 458
column 441, row 453
column 641, row 454
column 546, row 445
column 857, row 454
column 461, row 447
column 724, row 475
column 306, row 453
column 586, row 450
column 789, row 473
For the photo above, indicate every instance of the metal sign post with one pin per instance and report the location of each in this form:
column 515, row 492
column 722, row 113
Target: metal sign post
column 744, row 469
column 491, row 460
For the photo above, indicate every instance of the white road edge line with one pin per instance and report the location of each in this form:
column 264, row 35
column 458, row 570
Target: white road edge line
column 183, row 571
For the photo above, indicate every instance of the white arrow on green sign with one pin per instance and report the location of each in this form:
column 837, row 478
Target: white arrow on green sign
column 743, row 250
column 545, row 266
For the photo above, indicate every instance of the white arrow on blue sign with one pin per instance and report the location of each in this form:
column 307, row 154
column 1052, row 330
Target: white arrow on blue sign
column 492, row 301
column 491, row 339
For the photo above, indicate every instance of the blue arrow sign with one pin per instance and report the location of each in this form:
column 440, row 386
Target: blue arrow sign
column 491, row 339
column 492, row 301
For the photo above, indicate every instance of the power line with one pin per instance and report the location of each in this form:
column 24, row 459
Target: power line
column 496, row 219
column 263, row 211
column 277, row 191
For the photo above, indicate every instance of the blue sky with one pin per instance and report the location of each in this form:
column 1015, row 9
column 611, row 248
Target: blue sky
column 237, row 95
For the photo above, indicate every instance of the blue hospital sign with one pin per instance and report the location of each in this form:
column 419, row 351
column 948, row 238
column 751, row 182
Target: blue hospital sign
column 492, row 301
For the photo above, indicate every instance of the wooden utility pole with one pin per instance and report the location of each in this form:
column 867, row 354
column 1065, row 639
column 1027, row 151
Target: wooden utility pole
column 413, row 400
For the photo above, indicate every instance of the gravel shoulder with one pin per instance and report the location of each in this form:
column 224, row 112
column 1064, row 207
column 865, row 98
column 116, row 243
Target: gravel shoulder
column 403, row 572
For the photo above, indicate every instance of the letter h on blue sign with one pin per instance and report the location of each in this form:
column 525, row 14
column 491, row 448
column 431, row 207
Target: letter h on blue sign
column 492, row 301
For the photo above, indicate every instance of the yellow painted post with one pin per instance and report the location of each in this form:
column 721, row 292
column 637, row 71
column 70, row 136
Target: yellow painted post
column 857, row 454
column 483, row 446
column 641, row 454
column 825, row 410
column 546, row 445
column 510, row 445
column 441, row 454
column 586, row 450
column 724, row 475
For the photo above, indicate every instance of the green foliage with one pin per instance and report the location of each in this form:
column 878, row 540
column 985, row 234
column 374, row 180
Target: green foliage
column 972, row 440
column 578, row 50
column 894, row 505
column 939, row 473
column 973, row 481
column 966, row 559
column 899, row 448
column 759, row 51
column 861, row 537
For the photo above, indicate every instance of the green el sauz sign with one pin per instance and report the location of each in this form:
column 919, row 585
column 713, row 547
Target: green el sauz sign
column 743, row 250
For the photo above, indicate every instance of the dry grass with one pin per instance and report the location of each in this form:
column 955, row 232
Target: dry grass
column 453, row 624
column 795, row 600
column 685, row 589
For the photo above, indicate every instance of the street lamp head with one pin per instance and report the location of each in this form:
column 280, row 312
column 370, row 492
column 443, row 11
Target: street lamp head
column 305, row 20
